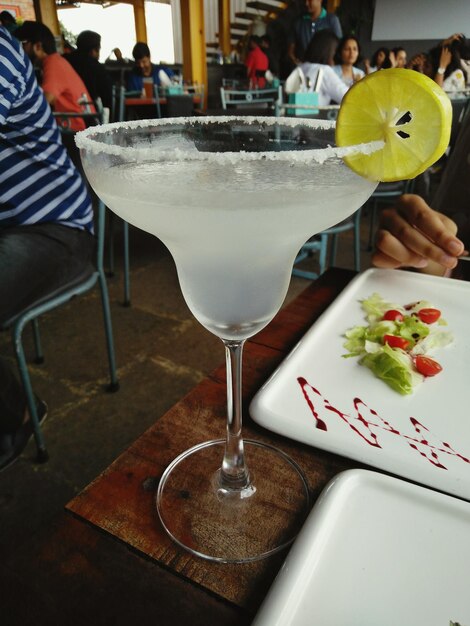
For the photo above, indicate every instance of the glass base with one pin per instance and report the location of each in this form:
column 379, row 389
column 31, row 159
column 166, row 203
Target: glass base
column 235, row 526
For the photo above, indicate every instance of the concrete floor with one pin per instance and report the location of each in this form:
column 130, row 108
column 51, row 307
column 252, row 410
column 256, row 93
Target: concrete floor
column 161, row 352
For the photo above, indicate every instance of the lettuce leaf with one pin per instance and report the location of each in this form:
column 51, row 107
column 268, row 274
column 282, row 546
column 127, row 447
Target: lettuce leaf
column 375, row 307
column 394, row 367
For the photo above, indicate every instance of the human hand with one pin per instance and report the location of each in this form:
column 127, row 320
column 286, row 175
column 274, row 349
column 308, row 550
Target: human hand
column 411, row 234
column 417, row 62
column 446, row 57
column 454, row 37
column 393, row 58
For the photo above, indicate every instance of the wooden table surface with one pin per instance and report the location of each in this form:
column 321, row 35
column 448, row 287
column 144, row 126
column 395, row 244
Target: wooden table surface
column 106, row 559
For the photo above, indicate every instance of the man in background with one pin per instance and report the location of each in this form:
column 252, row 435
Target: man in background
column 304, row 28
column 85, row 61
column 144, row 69
column 46, row 221
column 63, row 88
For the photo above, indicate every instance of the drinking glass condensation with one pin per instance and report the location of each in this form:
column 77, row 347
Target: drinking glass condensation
column 233, row 199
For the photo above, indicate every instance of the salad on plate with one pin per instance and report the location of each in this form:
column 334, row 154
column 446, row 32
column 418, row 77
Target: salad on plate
column 397, row 340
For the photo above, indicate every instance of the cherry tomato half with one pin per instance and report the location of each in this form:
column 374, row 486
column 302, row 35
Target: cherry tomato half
column 427, row 366
column 429, row 316
column 392, row 315
column 396, row 342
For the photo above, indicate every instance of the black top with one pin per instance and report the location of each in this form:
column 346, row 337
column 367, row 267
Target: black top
column 94, row 75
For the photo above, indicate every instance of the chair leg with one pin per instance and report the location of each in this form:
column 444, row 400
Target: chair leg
column 127, row 290
column 322, row 255
column 110, row 271
column 357, row 245
column 114, row 383
column 333, row 249
column 39, row 359
column 42, row 454
column 373, row 217
column 357, row 240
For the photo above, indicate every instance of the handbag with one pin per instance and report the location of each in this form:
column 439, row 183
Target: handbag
column 309, row 98
column 300, row 90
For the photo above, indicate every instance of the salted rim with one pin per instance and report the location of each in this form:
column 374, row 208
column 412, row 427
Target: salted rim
column 320, row 155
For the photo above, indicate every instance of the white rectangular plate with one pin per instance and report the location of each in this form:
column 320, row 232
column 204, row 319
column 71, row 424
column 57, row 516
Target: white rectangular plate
column 319, row 398
column 375, row 551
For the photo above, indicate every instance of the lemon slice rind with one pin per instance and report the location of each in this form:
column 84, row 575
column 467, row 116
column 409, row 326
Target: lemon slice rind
column 370, row 111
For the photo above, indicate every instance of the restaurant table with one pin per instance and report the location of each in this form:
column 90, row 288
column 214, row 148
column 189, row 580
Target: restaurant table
column 141, row 101
column 147, row 108
column 107, row 560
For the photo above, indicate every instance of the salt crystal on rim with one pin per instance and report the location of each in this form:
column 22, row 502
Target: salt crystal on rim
column 85, row 140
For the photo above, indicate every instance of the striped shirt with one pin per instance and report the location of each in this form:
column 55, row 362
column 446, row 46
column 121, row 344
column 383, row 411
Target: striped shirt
column 38, row 182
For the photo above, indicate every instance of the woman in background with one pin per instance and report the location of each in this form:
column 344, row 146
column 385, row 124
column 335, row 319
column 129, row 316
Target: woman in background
column 398, row 57
column 346, row 57
column 318, row 68
column 380, row 61
column 446, row 59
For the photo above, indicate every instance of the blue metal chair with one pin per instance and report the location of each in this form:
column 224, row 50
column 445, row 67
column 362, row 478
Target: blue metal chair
column 248, row 101
column 96, row 117
column 118, row 114
column 51, row 301
column 320, row 242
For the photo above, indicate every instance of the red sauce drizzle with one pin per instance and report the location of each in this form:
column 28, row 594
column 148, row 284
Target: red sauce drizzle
column 366, row 421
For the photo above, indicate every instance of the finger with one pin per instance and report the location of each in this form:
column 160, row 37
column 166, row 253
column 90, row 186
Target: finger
column 416, row 244
column 436, row 227
column 392, row 252
column 413, row 243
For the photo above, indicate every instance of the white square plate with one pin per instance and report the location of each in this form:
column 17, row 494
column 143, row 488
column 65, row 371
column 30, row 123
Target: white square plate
column 343, row 408
column 375, row 551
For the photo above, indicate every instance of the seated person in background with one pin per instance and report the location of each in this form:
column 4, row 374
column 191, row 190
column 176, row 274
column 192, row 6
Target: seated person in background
column 63, row 88
column 380, row 61
column 144, row 69
column 347, row 55
column 398, row 57
column 118, row 58
column 267, row 47
column 319, row 59
column 256, row 63
column 8, row 21
column 446, row 60
column 46, row 221
column 93, row 73
column 421, row 63
column 306, row 26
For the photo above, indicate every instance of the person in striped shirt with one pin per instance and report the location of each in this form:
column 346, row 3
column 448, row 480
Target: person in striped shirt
column 46, row 220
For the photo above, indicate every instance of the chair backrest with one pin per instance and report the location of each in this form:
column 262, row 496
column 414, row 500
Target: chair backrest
column 179, row 105
column 460, row 108
column 91, row 117
column 270, row 98
column 197, row 92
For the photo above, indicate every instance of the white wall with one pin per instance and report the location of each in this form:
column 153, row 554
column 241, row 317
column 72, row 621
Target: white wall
column 421, row 19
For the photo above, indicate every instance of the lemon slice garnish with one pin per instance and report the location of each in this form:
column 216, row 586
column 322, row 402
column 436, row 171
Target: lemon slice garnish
column 405, row 109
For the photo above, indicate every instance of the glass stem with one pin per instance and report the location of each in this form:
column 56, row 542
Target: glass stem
column 234, row 473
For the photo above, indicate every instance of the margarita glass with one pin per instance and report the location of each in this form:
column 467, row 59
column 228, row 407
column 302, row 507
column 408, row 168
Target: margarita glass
column 233, row 199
